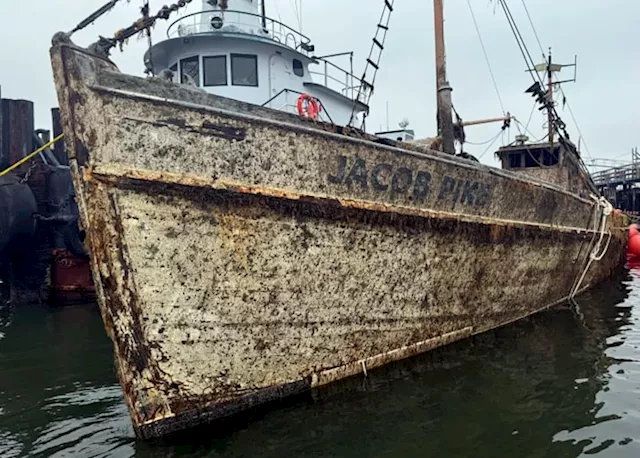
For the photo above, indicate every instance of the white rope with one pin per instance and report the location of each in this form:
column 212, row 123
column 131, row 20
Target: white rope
column 597, row 253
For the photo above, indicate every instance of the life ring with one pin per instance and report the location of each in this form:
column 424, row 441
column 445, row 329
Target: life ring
column 308, row 107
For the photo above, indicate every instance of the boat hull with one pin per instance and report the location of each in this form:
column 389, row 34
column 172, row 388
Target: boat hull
column 241, row 255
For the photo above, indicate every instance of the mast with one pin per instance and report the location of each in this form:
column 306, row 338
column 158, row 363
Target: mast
column 550, row 106
column 445, row 121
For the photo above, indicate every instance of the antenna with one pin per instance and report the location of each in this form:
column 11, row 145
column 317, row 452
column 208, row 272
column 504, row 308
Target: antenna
column 388, row 115
column 545, row 98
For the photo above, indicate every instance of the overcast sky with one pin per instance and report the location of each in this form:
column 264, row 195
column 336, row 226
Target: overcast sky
column 603, row 33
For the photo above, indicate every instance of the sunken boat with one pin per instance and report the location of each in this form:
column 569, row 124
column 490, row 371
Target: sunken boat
column 244, row 248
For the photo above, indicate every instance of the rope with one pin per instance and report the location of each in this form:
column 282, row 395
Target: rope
column 142, row 24
column 30, row 156
column 597, row 253
column 486, row 56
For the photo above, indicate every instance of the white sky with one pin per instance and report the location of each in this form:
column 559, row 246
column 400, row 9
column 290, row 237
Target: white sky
column 603, row 33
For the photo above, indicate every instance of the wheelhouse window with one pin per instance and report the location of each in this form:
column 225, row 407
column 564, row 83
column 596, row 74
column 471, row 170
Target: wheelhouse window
column 550, row 157
column 298, row 69
column 244, row 70
column 532, row 158
column 215, row 70
column 190, row 67
column 515, row 160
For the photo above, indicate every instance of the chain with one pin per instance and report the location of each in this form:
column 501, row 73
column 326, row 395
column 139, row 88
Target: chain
column 29, row 172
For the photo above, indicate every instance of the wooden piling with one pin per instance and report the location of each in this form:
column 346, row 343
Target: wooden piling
column 30, row 270
column 4, row 161
column 17, row 128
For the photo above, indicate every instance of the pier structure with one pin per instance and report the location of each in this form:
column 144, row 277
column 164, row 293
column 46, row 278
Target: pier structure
column 621, row 184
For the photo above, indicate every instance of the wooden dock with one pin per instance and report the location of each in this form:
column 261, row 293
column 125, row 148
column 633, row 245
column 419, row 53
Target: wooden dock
column 620, row 184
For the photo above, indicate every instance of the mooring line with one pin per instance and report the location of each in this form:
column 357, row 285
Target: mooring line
column 30, row 156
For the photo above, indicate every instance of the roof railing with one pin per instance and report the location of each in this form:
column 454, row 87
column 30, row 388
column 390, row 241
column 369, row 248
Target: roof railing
column 239, row 22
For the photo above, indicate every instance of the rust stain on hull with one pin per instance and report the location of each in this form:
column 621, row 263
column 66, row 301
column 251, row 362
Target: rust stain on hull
column 238, row 260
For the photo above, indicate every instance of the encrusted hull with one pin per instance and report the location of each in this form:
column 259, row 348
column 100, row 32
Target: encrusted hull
column 241, row 255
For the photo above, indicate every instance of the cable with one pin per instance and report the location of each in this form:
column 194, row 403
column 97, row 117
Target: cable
column 531, row 66
column 294, row 5
column 482, row 143
column 575, row 121
column 533, row 108
column 537, row 140
column 493, row 140
column 486, row 56
column 534, row 29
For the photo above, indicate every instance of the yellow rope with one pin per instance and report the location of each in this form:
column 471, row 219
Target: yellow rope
column 27, row 158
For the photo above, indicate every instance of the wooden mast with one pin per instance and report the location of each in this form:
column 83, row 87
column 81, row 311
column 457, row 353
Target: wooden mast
column 550, row 102
column 445, row 121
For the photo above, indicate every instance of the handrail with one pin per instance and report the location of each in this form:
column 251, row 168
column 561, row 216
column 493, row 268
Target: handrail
column 348, row 85
column 284, row 91
column 274, row 29
column 629, row 172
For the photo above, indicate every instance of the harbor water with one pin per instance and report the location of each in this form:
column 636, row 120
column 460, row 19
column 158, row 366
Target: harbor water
column 563, row 383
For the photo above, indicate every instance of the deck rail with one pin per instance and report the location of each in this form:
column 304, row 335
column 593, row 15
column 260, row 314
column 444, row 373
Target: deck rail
column 241, row 22
column 339, row 79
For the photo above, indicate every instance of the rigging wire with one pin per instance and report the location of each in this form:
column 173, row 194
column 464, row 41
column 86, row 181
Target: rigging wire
column 486, row 56
column 526, row 129
column 466, row 142
column 493, row 140
column 575, row 121
column 294, row 5
column 533, row 108
column 531, row 66
column 524, row 3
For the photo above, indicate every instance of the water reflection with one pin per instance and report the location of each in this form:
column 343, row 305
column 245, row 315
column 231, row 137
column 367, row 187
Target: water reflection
column 563, row 383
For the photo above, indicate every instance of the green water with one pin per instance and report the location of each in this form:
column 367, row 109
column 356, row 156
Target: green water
column 565, row 383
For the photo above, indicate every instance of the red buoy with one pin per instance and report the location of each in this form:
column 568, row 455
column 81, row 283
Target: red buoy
column 633, row 230
column 633, row 247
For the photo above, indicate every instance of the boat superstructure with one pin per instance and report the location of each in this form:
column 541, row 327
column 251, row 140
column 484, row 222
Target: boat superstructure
column 243, row 253
column 233, row 49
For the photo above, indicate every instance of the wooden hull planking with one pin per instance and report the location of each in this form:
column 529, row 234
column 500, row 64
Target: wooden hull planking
column 241, row 255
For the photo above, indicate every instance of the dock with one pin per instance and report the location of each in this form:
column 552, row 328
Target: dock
column 42, row 257
column 620, row 184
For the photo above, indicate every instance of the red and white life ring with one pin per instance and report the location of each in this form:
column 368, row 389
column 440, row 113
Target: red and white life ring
column 308, row 107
